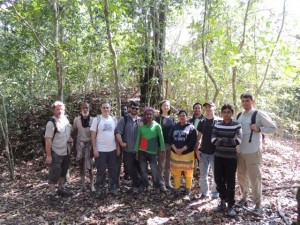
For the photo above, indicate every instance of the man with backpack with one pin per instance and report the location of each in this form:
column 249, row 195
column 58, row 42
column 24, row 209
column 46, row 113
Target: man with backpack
column 126, row 133
column 57, row 143
column 254, row 123
column 105, row 151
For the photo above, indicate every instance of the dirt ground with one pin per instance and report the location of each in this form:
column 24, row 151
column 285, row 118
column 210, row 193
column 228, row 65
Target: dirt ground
column 24, row 200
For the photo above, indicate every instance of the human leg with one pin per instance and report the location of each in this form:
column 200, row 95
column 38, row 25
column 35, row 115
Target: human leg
column 230, row 166
column 219, row 176
column 242, row 176
column 214, row 192
column 167, row 166
column 130, row 164
column 153, row 165
column 112, row 163
column 144, row 168
column 204, row 168
column 101, row 163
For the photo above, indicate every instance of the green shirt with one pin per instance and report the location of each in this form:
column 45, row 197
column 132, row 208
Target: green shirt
column 148, row 137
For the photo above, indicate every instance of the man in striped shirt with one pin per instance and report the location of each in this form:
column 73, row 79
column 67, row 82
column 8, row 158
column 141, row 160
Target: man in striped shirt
column 226, row 135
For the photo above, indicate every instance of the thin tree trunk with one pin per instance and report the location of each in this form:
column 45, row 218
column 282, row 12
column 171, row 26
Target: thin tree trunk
column 114, row 57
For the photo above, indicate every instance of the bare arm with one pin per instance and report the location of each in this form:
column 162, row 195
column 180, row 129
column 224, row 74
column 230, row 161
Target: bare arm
column 94, row 143
column 48, row 150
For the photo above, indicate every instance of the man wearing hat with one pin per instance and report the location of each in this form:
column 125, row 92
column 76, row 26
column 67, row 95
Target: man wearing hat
column 207, row 150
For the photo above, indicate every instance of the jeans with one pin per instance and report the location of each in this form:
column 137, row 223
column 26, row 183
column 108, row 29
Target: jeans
column 225, row 169
column 108, row 159
column 144, row 158
column 133, row 168
column 206, row 162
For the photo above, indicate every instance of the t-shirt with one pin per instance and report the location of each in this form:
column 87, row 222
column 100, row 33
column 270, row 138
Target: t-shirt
column 105, row 133
column 84, row 133
column 61, row 137
column 205, row 126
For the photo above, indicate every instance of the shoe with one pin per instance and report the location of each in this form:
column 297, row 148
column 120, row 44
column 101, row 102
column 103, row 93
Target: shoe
column 187, row 195
column 169, row 186
column 231, row 212
column 163, row 188
column 62, row 191
column 176, row 193
column 220, row 207
column 54, row 197
column 241, row 203
column 257, row 211
column 99, row 193
column 203, row 197
column 135, row 190
column 114, row 193
column 214, row 196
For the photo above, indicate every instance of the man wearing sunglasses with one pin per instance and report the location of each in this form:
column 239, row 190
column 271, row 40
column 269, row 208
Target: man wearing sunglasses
column 126, row 133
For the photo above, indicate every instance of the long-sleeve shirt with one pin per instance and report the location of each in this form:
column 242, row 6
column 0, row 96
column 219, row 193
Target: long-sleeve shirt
column 263, row 121
column 226, row 136
column 148, row 137
column 183, row 135
column 166, row 124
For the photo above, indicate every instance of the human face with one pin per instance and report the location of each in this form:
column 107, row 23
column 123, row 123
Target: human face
column 165, row 107
column 247, row 104
column 210, row 110
column 85, row 110
column 134, row 110
column 197, row 110
column 182, row 117
column 58, row 111
column 105, row 109
column 149, row 115
column 227, row 115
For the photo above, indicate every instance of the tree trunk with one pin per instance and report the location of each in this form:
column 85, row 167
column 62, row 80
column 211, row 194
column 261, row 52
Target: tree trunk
column 114, row 58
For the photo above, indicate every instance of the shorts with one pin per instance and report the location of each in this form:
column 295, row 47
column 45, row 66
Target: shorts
column 59, row 167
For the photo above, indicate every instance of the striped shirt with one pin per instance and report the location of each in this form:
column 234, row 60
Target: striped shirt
column 226, row 136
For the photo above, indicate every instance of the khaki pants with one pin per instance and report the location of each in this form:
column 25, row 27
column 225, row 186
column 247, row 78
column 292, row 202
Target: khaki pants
column 249, row 169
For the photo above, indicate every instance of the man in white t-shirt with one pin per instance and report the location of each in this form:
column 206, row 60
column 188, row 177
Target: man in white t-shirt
column 105, row 150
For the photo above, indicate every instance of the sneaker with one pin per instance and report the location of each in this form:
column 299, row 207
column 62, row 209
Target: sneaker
column 63, row 191
column 54, row 197
column 135, row 190
column 241, row 203
column 257, row 211
column 203, row 197
column 99, row 193
column 187, row 195
column 176, row 193
column 214, row 196
column 114, row 193
column 169, row 186
column 163, row 188
column 231, row 212
column 220, row 207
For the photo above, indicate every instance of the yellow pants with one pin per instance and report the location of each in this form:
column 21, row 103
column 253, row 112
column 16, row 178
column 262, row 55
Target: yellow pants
column 188, row 178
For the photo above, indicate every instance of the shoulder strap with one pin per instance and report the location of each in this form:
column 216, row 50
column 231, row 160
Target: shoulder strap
column 98, row 121
column 238, row 115
column 125, row 119
column 253, row 120
column 55, row 127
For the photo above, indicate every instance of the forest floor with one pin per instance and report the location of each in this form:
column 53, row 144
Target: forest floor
column 24, row 200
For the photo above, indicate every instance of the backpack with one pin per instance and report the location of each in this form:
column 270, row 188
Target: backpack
column 253, row 121
column 114, row 119
column 43, row 140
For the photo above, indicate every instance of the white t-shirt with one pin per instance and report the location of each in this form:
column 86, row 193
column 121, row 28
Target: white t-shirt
column 105, row 133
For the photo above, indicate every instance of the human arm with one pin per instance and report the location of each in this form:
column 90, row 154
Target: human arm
column 48, row 142
column 264, row 124
column 197, row 145
column 161, row 138
column 119, row 131
column 93, row 130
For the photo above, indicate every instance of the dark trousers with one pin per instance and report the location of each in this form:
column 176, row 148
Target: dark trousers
column 144, row 159
column 109, row 160
column 225, row 169
column 132, row 166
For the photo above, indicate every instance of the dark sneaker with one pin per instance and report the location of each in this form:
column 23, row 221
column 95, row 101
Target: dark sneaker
column 231, row 212
column 214, row 196
column 187, row 195
column 241, row 203
column 54, row 197
column 220, row 207
column 257, row 211
column 163, row 188
column 135, row 190
column 176, row 193
column 114, row 193
column 62, row 191
column 99, row 194
column 169, row 186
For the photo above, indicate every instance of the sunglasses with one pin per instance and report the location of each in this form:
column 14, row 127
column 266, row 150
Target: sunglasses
column 136, row 108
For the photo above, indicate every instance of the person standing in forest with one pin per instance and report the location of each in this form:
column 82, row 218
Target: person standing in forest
column 83, row 144
column 105, row 151
column 226, row 136
column 58, row 140
column 166, row 122
column 182, row 138
column 126, row 133
column 149, row 136
column 249, row 154
column 205, row 150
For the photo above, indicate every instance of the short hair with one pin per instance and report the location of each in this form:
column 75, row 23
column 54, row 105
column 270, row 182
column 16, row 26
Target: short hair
column 160, row 105
column 57, row 103
column 198, row 103
column 85, row 103
column 134, row 103
column 105, row 102
column 182, row 111
column 227, row 106
column 247, row 95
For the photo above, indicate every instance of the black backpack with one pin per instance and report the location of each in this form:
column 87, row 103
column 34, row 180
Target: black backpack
column 43, row 140
column 253, row 120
